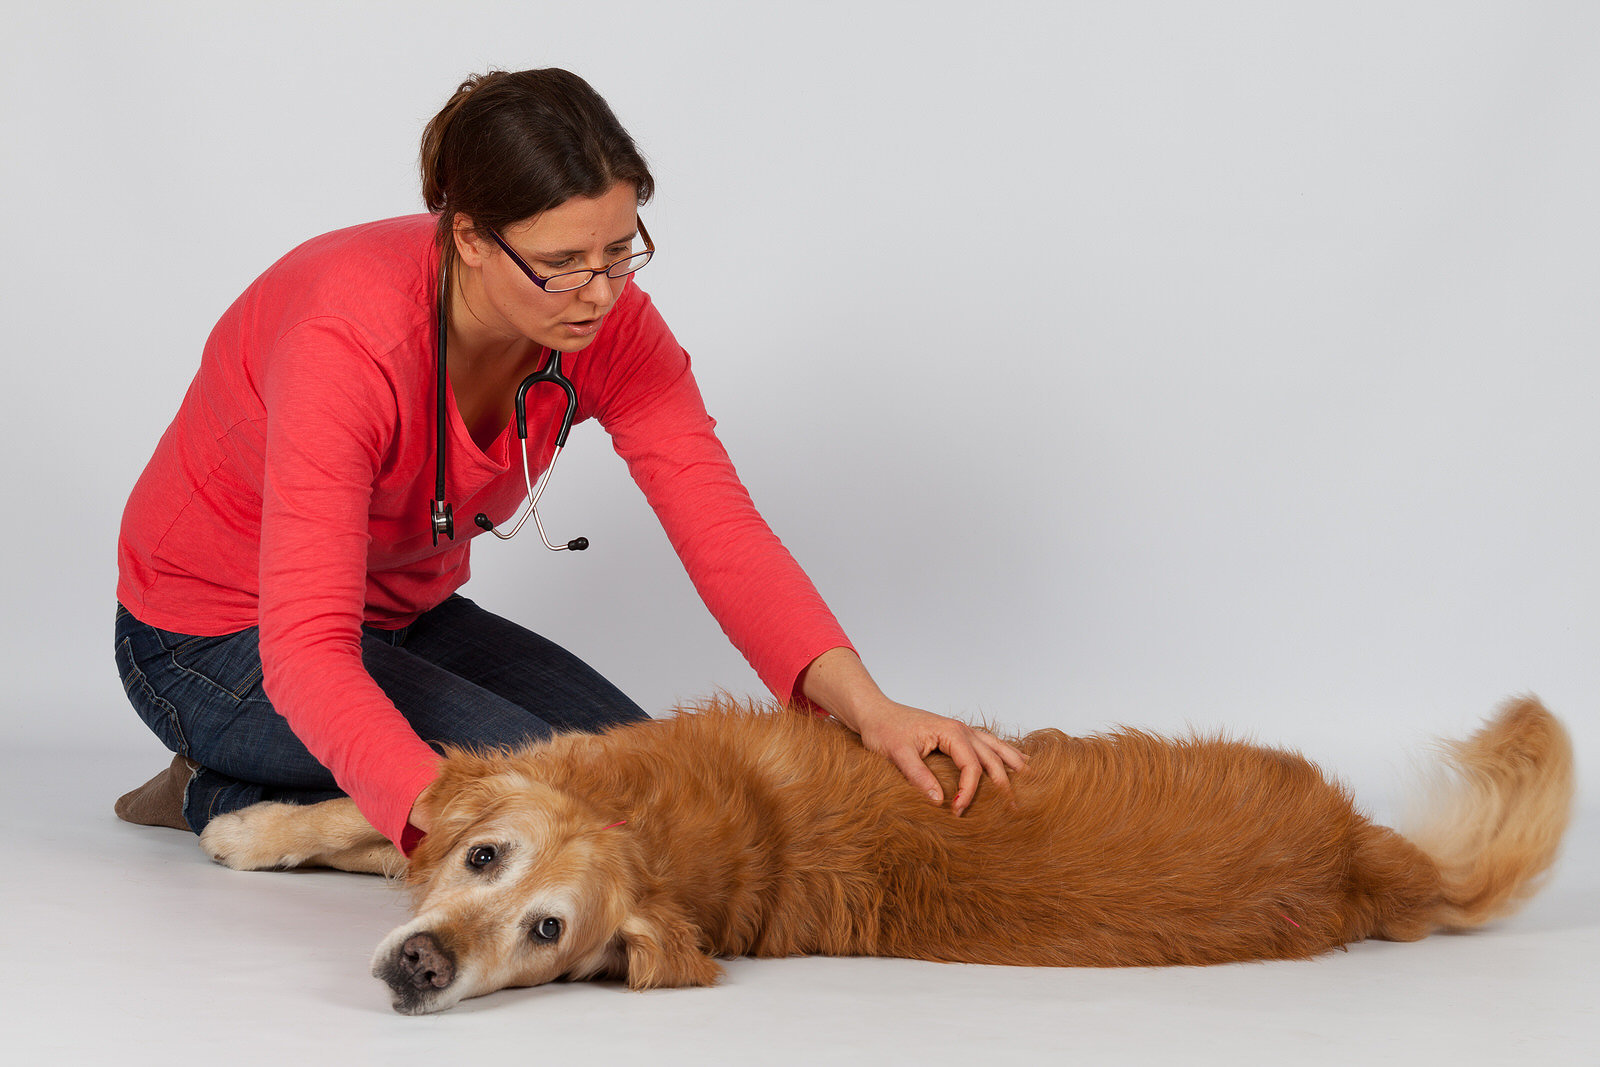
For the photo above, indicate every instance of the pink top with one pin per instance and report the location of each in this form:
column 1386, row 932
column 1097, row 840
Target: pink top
column 292, row 490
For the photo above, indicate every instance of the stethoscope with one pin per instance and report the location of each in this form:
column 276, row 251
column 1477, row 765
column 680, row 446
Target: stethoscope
column 550, row 373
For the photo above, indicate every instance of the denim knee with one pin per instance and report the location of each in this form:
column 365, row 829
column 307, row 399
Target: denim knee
column 157, row 713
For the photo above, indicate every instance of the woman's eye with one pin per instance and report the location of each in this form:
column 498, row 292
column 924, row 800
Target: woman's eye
column 547, row 929
column 480, row 856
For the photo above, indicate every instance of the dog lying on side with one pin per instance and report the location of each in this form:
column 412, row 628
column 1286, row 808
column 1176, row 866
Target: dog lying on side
column 736, row 831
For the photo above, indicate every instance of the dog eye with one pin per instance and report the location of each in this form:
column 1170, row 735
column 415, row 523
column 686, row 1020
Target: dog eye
column 547, row 929
column 480, row 856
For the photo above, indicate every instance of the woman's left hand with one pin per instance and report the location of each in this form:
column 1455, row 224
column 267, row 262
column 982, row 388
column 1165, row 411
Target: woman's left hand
column 906, row 736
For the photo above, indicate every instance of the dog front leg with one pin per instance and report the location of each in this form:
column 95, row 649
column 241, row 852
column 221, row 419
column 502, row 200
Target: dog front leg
column 272, row 837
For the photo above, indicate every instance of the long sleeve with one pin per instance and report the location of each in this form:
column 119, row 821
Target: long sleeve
column 328, row 408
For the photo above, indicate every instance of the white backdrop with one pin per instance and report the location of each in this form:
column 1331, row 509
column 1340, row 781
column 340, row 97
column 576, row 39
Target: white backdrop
column 1280, row 414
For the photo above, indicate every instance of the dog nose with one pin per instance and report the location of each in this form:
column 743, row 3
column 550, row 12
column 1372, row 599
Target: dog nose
column 425, row 964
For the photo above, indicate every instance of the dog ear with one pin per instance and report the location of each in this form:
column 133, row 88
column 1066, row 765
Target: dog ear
column 663, row 949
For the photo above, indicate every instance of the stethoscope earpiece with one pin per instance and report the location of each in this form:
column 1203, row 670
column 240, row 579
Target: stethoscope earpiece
column 577, row 544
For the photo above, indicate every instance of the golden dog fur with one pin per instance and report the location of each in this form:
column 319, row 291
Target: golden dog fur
column 644, row 853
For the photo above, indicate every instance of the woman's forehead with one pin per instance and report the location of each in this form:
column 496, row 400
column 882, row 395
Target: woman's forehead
column 580, row 222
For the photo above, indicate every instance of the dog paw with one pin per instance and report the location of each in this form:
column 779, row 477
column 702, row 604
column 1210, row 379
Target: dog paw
column 251, row 839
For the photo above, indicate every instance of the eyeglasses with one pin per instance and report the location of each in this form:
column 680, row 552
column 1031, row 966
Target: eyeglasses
column 567, row 281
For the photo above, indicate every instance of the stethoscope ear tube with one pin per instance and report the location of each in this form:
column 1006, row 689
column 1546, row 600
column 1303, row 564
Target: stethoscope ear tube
column 550, row 374
column 577, row 544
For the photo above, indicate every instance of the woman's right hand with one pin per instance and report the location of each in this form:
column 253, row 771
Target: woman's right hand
column 418, row 819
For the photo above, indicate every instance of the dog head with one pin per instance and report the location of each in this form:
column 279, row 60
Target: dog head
column 520, row 883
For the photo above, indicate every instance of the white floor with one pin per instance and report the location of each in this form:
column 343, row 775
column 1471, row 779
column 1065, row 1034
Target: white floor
column 125, row 945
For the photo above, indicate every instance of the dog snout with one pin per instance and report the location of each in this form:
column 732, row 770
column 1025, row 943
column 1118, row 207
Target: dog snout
column 421, row 969
column 417, row 972
column 424, row 964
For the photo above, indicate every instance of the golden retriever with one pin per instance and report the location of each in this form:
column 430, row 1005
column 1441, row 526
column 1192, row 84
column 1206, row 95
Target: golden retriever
column 646, row 852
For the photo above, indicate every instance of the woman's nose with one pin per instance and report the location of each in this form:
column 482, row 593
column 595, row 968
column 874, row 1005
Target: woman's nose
column 598, row 290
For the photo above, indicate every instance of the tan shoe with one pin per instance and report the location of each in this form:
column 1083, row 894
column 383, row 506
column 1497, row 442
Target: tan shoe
column 159, row 802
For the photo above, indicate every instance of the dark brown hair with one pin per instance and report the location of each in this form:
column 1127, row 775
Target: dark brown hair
column 508, row 146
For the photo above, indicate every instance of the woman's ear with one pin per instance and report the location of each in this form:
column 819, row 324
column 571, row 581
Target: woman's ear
column 470, row 247
column 663, row 949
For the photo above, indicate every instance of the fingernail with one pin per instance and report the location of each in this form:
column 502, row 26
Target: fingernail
column 933, row 795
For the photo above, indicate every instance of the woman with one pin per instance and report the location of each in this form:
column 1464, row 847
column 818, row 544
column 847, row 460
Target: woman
column 288, row 621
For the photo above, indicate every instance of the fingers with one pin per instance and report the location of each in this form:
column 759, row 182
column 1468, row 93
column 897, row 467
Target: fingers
column 910, row 762
column 1009, row 755
column 971, row 775
column 976, row 754
column 910, row 736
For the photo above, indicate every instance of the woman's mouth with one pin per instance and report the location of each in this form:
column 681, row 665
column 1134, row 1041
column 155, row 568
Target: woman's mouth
column 583, row 327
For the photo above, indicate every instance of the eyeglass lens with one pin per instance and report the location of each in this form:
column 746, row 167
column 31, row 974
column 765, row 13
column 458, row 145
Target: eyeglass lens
column 577, row 279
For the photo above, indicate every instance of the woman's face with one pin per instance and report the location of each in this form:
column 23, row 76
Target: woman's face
column 580, row 234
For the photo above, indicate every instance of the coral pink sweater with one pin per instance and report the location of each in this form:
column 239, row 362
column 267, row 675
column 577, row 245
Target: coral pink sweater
column 292, row 490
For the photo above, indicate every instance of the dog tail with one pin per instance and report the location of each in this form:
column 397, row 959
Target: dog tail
column 1493, row 822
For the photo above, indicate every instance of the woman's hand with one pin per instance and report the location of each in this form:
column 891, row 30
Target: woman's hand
column 838, row 682
column 907, row 735
column 418, row 819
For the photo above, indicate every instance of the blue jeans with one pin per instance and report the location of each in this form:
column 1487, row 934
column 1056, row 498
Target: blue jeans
column 459, row 674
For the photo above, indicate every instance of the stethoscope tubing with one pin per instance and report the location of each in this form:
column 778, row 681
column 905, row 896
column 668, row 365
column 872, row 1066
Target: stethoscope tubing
column 442, row 515
column 549, row 373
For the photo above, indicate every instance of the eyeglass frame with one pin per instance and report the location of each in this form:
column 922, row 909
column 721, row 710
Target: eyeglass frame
column 544, row 283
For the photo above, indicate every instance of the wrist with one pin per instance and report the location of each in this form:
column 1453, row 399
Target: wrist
column 838, row 683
